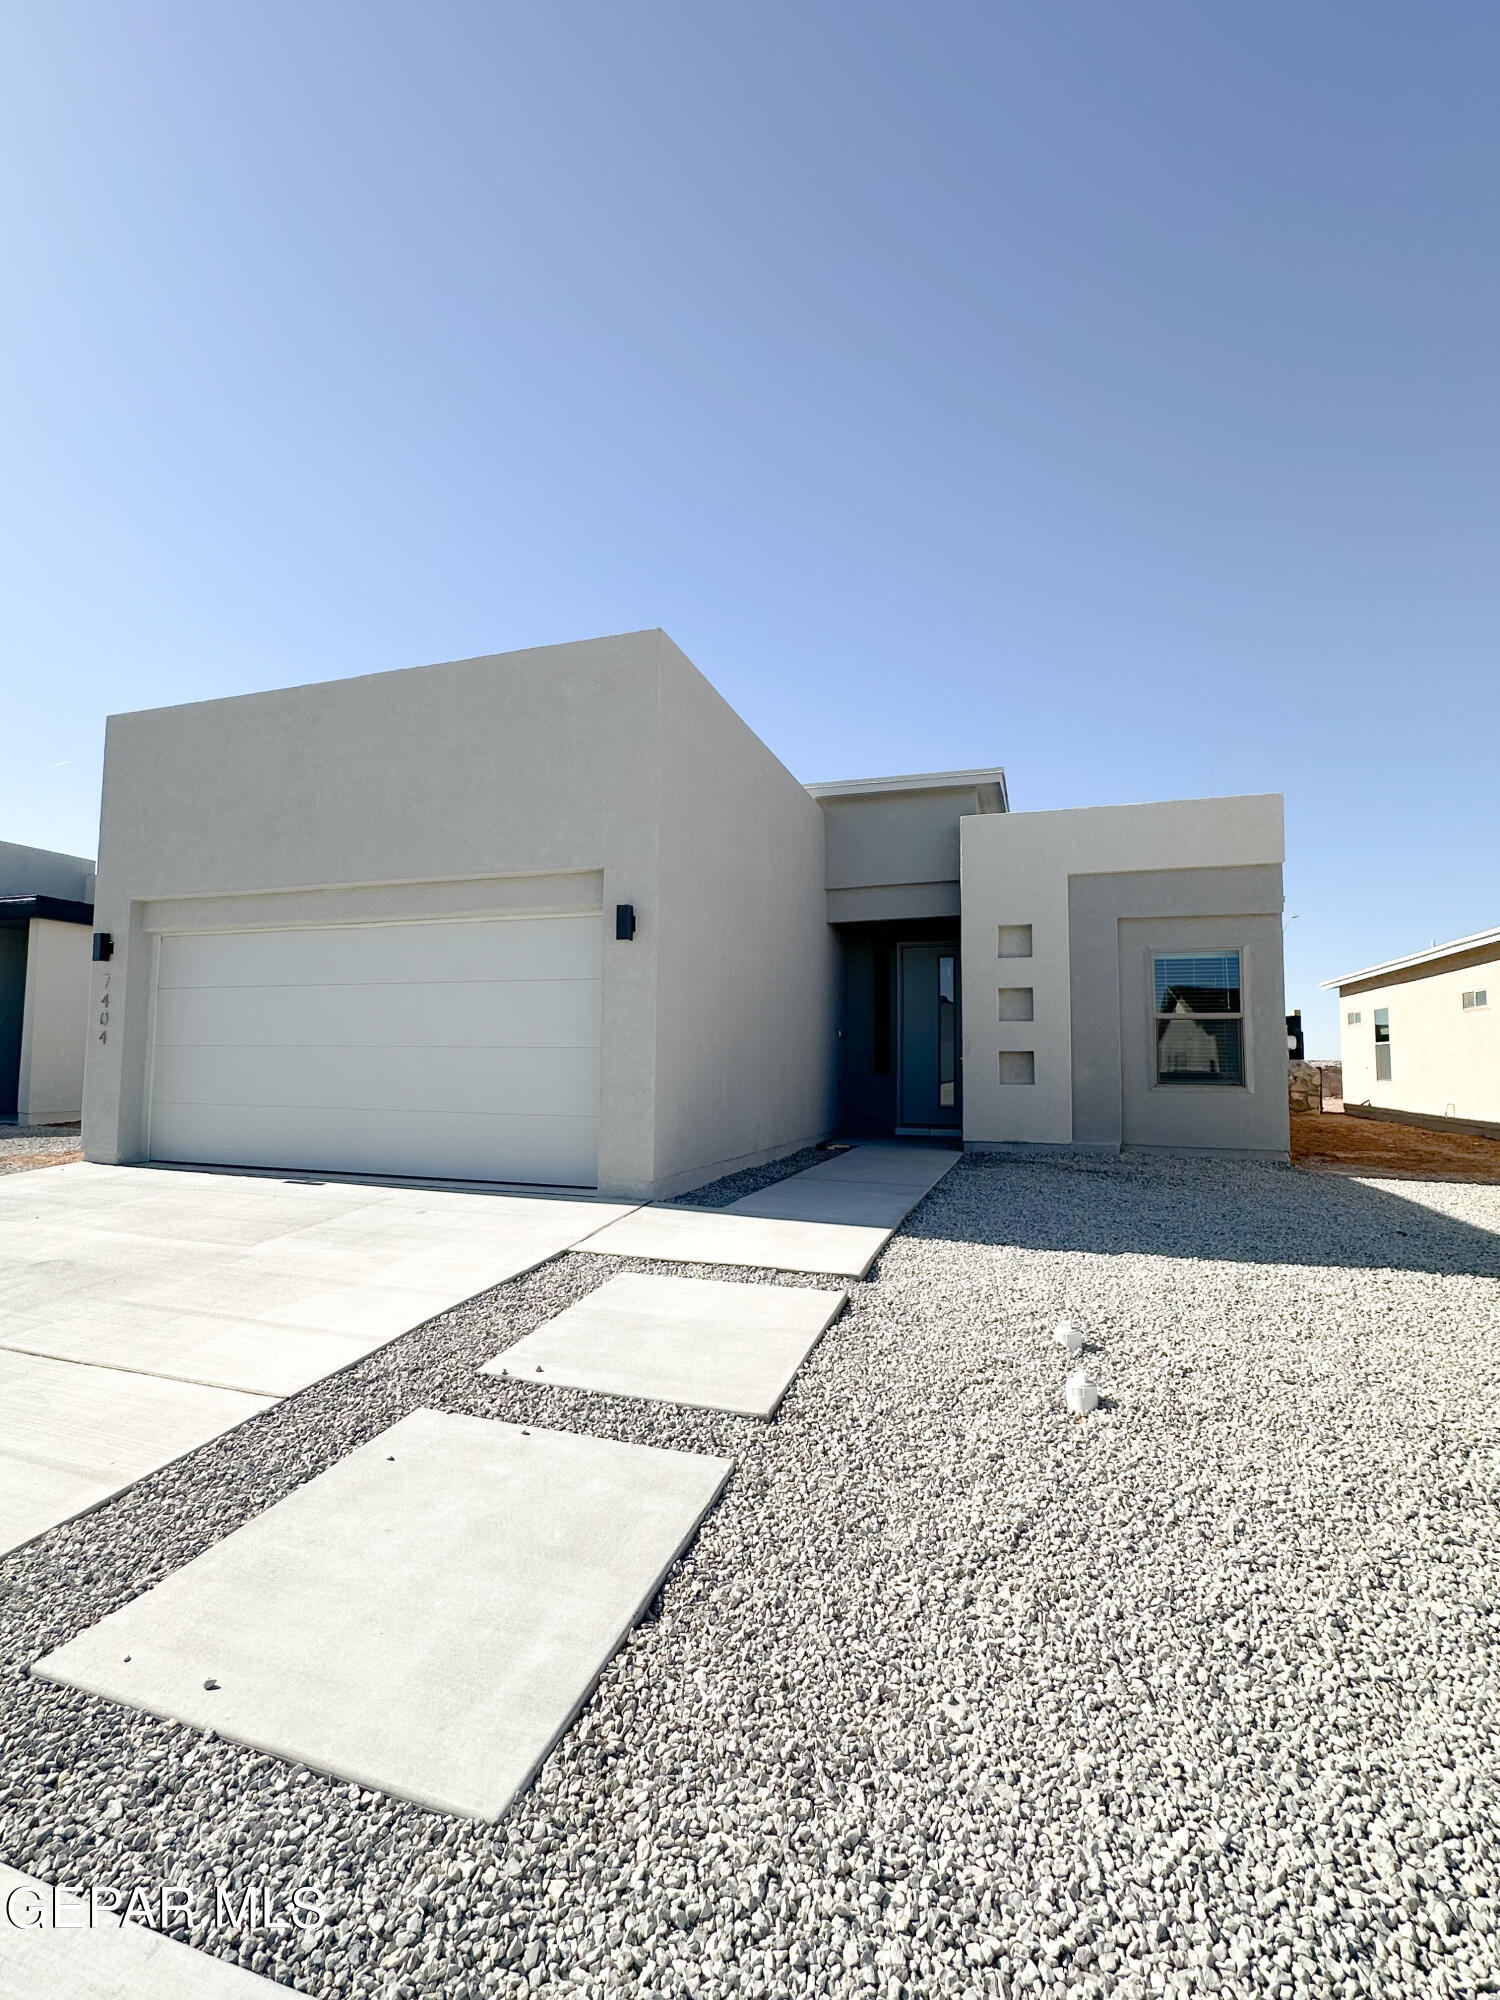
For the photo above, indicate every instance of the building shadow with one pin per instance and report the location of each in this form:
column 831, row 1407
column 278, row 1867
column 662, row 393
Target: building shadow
column 1231, row 1211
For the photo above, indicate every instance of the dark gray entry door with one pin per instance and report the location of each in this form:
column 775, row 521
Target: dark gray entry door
column 930, row 1092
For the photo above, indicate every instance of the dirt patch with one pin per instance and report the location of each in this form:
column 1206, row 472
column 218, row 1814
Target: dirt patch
column 38, row 1146
column 1331, row 1143
column 20, row 1163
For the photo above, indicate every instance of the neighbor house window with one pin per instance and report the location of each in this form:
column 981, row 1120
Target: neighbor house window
column 1200, row 1025
column 1382, row 1044
column 1353, row 1020
column 1478, row 998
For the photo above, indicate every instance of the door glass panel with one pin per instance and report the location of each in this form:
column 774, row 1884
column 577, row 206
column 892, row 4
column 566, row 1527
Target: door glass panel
column 947, row 1030
column 929, row 1085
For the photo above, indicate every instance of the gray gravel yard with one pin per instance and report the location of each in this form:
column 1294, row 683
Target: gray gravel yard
column 753, row 1179
column 953, row 1693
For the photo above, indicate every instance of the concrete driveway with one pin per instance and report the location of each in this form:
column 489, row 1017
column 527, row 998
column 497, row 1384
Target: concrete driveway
column 146, row 1310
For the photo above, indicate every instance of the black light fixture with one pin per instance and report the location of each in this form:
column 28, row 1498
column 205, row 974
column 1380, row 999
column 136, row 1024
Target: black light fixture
column 104, row 947
column 624, row 922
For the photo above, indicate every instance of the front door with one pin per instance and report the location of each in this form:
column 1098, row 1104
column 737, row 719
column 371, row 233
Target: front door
column 929, row 1096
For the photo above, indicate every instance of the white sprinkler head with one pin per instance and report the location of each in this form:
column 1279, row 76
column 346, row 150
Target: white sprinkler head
column 1082, row 1393
column 1068, row 1337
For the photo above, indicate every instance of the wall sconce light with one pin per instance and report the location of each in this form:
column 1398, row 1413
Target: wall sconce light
column 104, row 947
column 624, row 922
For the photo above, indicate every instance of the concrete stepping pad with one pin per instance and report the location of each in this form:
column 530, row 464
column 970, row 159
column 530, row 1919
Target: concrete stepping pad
column 424, row 1619
column 49, row 1950
column 71, row 1437
column 697, row 1341
column 719, row 1236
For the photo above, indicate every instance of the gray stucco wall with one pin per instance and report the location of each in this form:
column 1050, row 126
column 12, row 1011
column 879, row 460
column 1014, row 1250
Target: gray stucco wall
column 894, row 855
column 559, row 778
column 895, row 837
column 746, row 965
column 12, row 1013
column 1116, row 923
column 39, row 871
column 54, row 1037
column 1018, row 933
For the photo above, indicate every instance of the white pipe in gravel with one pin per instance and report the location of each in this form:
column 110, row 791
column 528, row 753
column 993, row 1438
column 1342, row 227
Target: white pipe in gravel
column 1069, row 1338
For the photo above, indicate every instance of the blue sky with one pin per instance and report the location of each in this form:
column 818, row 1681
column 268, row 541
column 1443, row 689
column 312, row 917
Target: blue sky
column 1108, row 392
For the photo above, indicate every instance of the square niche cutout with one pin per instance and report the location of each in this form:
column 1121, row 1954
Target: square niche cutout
column 1015, row 941
column 1018, row 1066
column 1016, row 1003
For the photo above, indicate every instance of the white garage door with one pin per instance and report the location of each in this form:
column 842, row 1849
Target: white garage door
column 465, row 1051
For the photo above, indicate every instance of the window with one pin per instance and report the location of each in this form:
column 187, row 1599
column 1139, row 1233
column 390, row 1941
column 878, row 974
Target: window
column 1382, row 1044
column 1353, row 1020
column 1200, row 1025
column 1478, row 998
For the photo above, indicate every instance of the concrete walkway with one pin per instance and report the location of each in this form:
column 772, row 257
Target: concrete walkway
column 231, row 1290
column 836, row 1217
column 874, row 1183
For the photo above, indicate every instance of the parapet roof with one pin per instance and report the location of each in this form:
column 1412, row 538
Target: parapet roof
column 990, row 781
column 1432, row 956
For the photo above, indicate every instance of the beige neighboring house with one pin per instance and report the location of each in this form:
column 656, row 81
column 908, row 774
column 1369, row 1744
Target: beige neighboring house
column 560, row 917
column 1421, row 1035
column 46, row 919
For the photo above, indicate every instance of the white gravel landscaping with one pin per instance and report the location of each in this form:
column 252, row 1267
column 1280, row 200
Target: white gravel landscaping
column 954, row 1693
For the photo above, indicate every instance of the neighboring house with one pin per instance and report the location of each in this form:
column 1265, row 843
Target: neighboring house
column 559, row 916
column 46, row 919
column 1421, row 1035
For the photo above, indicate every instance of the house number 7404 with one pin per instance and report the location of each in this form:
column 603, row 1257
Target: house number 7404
column 104, row 1011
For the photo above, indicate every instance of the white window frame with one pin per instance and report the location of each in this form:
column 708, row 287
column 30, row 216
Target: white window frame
column 1154, row 952
column 1382, row 1047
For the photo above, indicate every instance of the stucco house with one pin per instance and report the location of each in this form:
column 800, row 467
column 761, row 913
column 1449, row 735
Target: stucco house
column 1421, row 1035
column 46, row 918
column 559, row 917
